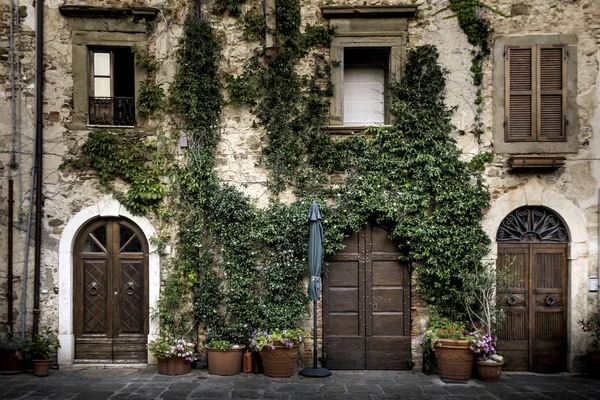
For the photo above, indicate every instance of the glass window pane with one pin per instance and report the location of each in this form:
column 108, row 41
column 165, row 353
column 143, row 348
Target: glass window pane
column 96, row 241
column 102, row 87
column 128, row 241
column 101, row 64
column 364, row 101
column 124, row 235
column 91, row 246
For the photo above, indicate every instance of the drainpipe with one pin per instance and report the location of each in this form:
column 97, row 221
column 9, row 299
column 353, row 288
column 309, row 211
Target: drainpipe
column 39, row 125
column 9, row 289
column 27, row 245
column 13, row 103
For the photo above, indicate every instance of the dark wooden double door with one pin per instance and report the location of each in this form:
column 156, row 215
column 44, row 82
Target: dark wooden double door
column 534, row 335
column 366, row 305
column 111, row 293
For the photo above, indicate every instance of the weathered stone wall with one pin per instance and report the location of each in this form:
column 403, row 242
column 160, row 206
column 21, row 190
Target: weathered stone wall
column 24, row 92
column 571, row 191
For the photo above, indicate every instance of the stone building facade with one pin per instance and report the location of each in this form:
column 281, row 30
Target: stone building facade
column 566, row 191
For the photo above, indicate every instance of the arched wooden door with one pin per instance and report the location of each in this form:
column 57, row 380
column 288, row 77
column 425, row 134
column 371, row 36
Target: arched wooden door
column 366, row 305
column 111, row 293
column 532, row 244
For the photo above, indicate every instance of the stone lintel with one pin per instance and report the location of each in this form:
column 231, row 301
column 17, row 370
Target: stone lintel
column 108, row 12
column 399, row 11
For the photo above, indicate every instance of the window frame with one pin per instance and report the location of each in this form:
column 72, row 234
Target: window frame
column 92, row 38
column 111, row 50
column 364, row 27
column 501, row 144
column 536, row 93
column 397, row 56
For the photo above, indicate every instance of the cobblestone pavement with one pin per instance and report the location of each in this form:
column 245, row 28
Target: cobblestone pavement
column 146, row 383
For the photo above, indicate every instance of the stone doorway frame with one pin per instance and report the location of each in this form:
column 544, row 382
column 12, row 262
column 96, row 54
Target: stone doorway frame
column 107, row 207
column 578, row 251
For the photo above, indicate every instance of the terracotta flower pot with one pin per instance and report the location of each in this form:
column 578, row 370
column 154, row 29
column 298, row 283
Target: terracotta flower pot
column 279, row 362
column 10, row 364
column 455, row 359
column 593, row 363
column 174, row 366
column 41, row 367
column 225, row 362
column 489, row 372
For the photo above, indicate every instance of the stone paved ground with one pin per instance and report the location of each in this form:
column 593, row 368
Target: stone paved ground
column 121, row 383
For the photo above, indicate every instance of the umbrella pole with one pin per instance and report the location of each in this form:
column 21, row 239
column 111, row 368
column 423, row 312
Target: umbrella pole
column 315, row 372
column 315, row 334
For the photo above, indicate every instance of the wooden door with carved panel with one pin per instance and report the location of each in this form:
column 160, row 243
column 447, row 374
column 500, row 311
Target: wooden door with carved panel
column 532, row 246
column 111, row 293
column 366, row 304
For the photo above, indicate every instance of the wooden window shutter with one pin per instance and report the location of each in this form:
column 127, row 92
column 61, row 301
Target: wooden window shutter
column 520, row 94
column 552, row 83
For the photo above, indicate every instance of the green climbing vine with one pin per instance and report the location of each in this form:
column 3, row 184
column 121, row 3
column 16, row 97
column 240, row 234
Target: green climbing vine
column 238, row 266
column 133, row 159
column 477, row 30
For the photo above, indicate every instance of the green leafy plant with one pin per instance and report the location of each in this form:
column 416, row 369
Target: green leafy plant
column 220, row 345
column 269, row 339
column 115, row 155
column 167, row 347
column 43, row 344
column 592, row 325
column 484, row 289
column 151, row 98
column 254, row 24
column 144, row 60
column 11, row 346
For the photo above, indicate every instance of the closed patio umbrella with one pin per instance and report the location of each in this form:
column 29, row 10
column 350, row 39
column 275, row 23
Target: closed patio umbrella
column 315, row 266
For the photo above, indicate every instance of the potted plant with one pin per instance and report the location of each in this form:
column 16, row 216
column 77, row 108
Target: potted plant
column 489, row 364
column 40, row 349
column 224, row 358
column 482, row 290
column 278, row 350
column 451, row 343
column 174, row 356
column 11, row 355
column 592, row 325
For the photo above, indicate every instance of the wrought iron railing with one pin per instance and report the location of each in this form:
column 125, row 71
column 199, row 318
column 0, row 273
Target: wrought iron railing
column 116, row 111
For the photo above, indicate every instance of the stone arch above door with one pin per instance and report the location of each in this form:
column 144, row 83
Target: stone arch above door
column 107, row 207
column 534, row 194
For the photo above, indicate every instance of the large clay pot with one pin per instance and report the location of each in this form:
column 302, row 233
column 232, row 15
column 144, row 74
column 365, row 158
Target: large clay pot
column 10, row 364
column 454, row 359
column 279, row 362
column 489, row 372
column 41, row 367
column 593, row 363
column 174, row 366
column 225, row 362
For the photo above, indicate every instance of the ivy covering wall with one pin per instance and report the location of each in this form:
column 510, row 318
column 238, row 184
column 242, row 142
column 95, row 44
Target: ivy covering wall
column 237, row 266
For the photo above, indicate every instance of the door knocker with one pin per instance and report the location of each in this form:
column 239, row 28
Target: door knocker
column 94, row 289
column 549, row 300
column 129, row 290
column 511, row 300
